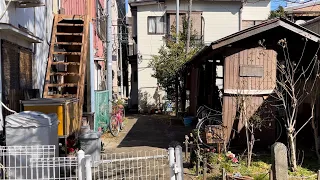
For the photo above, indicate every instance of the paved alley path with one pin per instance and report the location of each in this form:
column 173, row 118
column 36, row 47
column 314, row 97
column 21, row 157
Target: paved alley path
column 145, row 133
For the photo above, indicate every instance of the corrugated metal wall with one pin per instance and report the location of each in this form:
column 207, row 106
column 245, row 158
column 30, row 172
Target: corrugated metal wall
column 254, row 56
column 233, row 81
column 16, row 73
column 315, row 27
column 74, row 7
column 82, row 7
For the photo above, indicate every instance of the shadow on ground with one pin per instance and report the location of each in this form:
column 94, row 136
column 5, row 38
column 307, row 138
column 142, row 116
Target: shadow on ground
column 155, row 131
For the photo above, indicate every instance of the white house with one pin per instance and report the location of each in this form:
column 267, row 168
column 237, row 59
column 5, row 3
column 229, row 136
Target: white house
column 25, row 35
column 151, row 21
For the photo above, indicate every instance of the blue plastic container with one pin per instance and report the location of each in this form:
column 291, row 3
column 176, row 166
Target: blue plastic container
column 188, row 120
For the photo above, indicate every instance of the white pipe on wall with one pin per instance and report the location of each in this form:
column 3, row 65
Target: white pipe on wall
column 91, row 68
column 240, row 15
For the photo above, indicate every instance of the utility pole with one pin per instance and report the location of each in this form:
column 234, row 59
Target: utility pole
column 120, row 56
column 108, row 46
column 177, row 20
column 177, row 41
column 189, row 27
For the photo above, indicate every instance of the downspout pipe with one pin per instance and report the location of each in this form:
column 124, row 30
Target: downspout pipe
column 203, row 25
column 240, row 15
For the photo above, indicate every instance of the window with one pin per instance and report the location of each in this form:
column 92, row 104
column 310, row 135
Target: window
column 156, row 25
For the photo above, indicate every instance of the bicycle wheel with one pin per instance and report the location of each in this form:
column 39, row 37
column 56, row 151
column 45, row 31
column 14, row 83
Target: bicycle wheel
column 114, row 126
column 201, row 130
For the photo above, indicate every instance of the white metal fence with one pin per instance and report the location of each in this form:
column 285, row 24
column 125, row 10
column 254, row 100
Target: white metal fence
column 135, row 165
column 15, row 160
column 39, row 162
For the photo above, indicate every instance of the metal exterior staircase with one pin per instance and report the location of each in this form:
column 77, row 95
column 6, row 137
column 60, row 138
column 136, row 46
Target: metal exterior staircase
column 66, row 68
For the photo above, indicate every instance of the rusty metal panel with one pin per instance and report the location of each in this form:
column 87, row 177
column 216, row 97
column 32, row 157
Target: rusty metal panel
column 25, row 68
column 251, row 71
column 74, row 7
column 228, row 116
column 232, row 120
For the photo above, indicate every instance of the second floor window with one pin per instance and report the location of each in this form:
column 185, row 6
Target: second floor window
column 156, row 25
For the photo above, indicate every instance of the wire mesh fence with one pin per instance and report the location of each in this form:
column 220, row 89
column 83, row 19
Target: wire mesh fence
column 147, row 165
column 15, row 160
column 39, row 162
column 56, row 168
column 102, row 108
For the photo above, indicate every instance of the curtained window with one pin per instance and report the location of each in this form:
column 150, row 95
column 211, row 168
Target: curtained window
column 156, row 25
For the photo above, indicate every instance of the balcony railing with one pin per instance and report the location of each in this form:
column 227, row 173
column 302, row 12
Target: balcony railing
column 101, row 21
column 196, row 40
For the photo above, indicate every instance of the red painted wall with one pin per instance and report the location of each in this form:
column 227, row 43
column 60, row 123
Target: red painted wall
column 82, row 7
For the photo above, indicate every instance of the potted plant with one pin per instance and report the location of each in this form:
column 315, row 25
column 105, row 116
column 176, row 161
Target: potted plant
column 72, row 146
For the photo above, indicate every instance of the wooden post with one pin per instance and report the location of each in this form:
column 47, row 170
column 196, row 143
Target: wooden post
column 198, row 166
column 205, row 169
column 224, row 174
column 191, row 151
column 270, row 175
column 186, row 142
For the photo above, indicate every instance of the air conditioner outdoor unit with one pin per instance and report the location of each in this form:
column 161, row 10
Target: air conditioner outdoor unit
column 27, row 3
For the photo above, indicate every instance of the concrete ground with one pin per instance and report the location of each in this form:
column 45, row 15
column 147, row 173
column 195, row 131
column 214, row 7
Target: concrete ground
column 146, row 133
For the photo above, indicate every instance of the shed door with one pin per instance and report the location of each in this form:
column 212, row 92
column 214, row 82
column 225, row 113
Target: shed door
column 25, row 68
column 16, row 74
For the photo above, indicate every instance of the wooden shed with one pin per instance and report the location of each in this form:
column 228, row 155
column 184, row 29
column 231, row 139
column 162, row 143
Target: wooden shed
column 244, row 63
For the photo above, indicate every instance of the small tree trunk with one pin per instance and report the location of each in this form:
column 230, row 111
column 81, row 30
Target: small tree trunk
column 292, row 148
column 248, row 146
column 250, row 151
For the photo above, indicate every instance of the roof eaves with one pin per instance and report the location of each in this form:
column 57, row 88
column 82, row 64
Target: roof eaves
column 245, row 33
column 206, row 47
column 311, row 21
column 264, row 27
column 143, row 2
column 292, row 8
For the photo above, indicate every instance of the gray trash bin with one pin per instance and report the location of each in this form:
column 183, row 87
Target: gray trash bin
column 90, row 143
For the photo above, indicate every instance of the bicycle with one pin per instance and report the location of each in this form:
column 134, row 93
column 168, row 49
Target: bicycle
column 116, row 120
column 207, row 116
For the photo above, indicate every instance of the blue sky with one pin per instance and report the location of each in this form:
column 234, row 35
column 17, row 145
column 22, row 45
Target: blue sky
column 126, row 6
column 276, row 3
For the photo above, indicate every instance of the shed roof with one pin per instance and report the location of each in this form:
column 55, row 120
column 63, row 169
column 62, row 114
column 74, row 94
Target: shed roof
column 314, row 20
column 255, row 30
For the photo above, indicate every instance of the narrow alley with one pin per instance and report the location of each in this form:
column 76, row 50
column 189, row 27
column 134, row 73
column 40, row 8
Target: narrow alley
column 145, row 133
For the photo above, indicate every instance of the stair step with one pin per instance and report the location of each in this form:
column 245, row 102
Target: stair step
column 68, row 43
column 68, row 34
column 63, row 85
column 64, row 74
column 67, row 53
column 66, row 63
column 69, row 24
